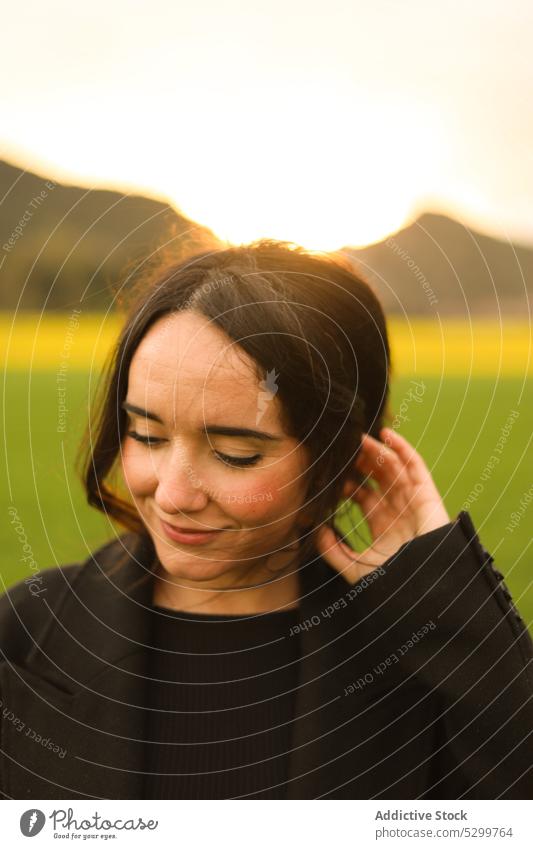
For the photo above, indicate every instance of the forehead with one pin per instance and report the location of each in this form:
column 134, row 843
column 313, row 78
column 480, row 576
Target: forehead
column 194, row 345
column 186, row 357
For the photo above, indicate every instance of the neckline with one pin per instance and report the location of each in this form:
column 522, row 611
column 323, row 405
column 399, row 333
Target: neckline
column 223, row 617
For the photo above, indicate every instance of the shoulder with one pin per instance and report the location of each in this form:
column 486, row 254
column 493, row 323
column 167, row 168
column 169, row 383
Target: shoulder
column 23, row 612
column 27, row 607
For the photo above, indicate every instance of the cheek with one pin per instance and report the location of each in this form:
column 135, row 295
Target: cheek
column 263, row 498
column 139, row 475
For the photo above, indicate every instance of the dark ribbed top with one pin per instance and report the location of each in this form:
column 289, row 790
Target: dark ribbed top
column 221, row 704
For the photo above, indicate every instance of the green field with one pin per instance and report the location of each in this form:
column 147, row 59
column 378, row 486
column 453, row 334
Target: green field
column 456, row 425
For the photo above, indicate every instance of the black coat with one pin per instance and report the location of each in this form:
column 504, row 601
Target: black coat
column 415, row 684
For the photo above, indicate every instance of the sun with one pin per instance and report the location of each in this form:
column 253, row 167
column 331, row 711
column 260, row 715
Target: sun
column 321, row 168
column 326, row 173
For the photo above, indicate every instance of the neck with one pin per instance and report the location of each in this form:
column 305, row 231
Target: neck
column 279, row 591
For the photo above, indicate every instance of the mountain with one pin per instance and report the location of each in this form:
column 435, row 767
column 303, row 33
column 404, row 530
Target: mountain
column 64, row 245
column 437, row 266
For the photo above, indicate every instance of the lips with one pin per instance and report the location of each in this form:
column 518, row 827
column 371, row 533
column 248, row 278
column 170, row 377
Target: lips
column 187, row 537
column 191, row 530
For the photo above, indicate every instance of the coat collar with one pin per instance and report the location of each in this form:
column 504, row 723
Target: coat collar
column 104, row 609
column 87, row 671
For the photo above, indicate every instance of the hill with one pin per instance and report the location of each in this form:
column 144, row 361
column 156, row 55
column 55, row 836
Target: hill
column 61, row 245
column 437, row 266
column 64, row 246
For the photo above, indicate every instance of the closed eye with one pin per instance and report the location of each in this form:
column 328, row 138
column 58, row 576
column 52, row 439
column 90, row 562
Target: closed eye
column 224, row 458
column 146, row 440
column 238, row 461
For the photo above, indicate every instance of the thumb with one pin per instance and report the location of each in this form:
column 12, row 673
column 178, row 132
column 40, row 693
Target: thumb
column 338, row 554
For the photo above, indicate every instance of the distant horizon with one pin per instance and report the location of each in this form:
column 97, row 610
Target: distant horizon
column 61, row 176
column 326, row 124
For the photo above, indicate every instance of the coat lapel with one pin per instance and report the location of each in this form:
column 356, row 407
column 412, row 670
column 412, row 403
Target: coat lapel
column 368, row 742
column 320, row 737
column 87, row 677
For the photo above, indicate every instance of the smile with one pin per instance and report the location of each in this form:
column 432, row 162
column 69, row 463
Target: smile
column 187, row 536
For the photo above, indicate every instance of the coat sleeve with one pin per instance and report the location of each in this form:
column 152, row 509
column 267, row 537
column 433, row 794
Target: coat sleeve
column 439, row 612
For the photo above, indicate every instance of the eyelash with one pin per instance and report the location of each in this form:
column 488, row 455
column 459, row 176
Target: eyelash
column 236, row 462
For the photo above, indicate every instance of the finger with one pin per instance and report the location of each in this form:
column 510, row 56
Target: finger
column 409, row 456
column 370, row 446
column 349, row 563
column 351, row 486
column 374, row 449
column 383, row 463
column 368, row 499
column 380, row 510
column 367, row 454
column 337, row 553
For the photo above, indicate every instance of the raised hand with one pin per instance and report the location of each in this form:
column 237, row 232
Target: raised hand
column 404, row 504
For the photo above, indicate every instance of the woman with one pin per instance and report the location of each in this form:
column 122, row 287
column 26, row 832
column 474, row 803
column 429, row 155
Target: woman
column 231, row 644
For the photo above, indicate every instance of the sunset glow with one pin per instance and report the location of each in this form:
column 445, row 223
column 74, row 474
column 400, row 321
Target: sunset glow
column 326, row 127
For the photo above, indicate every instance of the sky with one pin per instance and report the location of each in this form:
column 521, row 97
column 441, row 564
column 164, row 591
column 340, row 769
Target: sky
column 327, row 124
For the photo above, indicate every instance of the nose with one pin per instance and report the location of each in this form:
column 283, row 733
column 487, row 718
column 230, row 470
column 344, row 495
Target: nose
column 179, row 489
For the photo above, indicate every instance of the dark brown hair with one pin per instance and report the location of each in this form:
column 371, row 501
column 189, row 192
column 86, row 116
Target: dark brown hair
column 307, row 315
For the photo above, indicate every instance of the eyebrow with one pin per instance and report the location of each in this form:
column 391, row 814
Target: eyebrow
column 220, row 430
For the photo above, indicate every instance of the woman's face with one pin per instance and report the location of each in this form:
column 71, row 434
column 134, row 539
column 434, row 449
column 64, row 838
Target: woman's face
column 195, row 390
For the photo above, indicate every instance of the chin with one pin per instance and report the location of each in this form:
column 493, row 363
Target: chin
column 196, row 567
